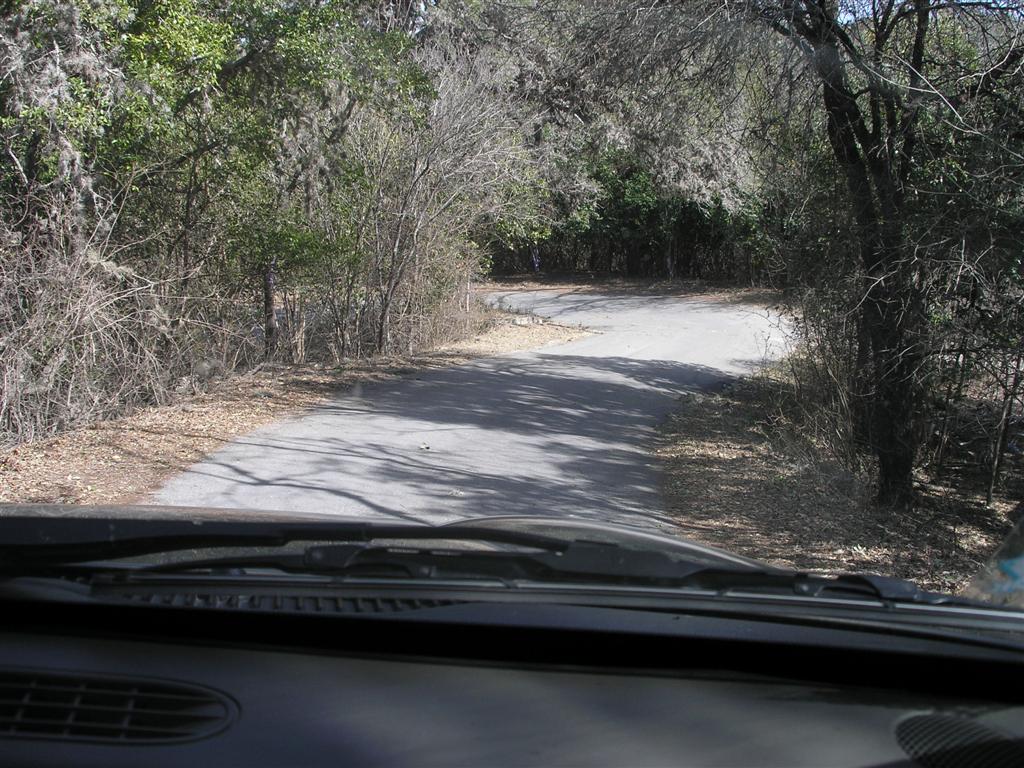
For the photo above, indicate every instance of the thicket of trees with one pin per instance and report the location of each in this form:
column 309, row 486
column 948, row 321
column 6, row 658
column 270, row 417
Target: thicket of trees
column 192, row 186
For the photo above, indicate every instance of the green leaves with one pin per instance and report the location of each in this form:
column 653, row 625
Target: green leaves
column 176, row 47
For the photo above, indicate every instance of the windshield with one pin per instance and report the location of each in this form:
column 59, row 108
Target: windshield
column 741, row 279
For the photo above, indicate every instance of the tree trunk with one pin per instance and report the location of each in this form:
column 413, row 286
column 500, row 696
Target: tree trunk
column 860, row 383
column 1009, row 396
column 270, row 329
column 890, row 301
column 890, row 321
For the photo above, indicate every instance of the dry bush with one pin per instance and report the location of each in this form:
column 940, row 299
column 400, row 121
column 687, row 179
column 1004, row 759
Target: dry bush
column 79, row 340
column 815, row 388
column 969, row 431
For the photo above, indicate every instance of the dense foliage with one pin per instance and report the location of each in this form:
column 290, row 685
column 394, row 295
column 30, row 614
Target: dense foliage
column 191, row 186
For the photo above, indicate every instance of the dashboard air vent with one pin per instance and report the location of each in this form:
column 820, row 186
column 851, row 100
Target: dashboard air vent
column 73, row 707
column 949, row 741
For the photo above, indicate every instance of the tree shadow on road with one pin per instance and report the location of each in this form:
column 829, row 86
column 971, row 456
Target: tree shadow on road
column 549, row 435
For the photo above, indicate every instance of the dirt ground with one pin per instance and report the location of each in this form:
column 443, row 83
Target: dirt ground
column 122, row 460
column 734, row 481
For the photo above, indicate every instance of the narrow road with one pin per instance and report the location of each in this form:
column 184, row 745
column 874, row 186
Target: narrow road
column 560, row 431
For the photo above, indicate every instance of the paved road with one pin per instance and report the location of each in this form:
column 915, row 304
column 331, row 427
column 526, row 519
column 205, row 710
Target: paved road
column 564, row 430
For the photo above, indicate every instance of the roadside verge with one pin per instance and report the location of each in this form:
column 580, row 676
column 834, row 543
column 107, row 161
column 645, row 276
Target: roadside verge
column 737, row 478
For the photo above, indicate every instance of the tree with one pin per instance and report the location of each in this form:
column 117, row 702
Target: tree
column 898, row 89
column 77, row 330
column 884, row 72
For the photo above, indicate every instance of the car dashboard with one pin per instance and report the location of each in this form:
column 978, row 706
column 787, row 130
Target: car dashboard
column 108, row 686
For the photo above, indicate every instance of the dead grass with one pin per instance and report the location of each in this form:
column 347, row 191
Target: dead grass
column 122, row 460
column 736, row 482
column 506, row 332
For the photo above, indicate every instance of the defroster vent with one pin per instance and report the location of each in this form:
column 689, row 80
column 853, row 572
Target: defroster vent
column 73, row 707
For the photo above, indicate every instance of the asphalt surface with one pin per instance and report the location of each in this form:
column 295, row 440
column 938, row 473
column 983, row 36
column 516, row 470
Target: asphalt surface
column 565, row 430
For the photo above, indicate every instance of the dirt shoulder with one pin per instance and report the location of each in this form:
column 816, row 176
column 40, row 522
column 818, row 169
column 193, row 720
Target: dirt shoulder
column 122, row 460
column 733, row 480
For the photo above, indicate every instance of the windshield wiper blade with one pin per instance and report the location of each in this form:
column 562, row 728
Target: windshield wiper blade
column 579, row 560
column 36, row 542
column 847, row 585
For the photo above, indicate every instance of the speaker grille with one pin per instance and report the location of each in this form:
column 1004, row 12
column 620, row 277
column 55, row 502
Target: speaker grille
column 950, row 741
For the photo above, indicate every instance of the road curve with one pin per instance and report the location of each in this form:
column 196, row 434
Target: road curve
column 564, row 430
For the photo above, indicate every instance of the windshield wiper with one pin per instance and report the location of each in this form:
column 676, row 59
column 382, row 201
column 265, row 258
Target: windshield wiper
column 27, row 543
column 35, row 545
column 576, row 562
column 847, row 585
column 590, row 561
column 79, row 543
